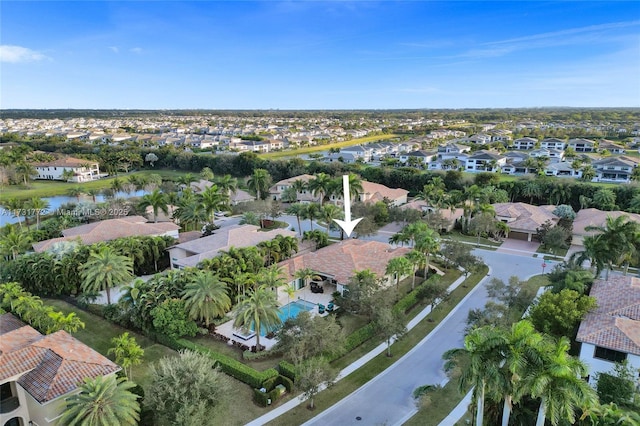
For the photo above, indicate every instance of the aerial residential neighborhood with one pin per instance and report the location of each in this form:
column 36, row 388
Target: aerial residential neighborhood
column 419, row 213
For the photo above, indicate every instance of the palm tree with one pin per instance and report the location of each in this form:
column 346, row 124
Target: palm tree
column 428, row 242
column 305, row 274
column 299, row 186
column 227, row 184
column 206, row 297
column 26, row 171
column 328, row 213
column 14, row 205
column 93, row 193
column 157, row 200
column 105, row 269
column 398, row 266
column 15, row 243
column 259, row 182
column 117, row 185
column 416, row 258
column 319, row 186
column 212, row 201
column 127, row 352
column 259, row 308
column 483, row 346
column 75, row 191
column 557, row 382
column 298, row 210
column 312, row 211
column 355, row 185
column 38, row 206
column 186, row 180
column 103, row 401
column 616, row 240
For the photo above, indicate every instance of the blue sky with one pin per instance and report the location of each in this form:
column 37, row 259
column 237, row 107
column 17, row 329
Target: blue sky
column 319, row 55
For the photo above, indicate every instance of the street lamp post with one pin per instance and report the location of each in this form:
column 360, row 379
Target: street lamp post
column 544, row 265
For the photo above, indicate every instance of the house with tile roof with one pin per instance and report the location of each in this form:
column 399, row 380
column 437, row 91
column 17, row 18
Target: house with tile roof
column 83, row 170
column 553, row 143
column 111, row 229
column 38, row 372
column 374, row 192
column 611, row 332
column 582, row 145
column 614, row 169
column 338, row 262
column 525, row 143
column 523, row 219
column 485, row 161
column 594, row 217
column 190, row 253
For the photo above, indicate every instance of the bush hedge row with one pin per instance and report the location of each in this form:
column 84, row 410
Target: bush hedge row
column 287, row 370
column 228, row 365
column 413, row 297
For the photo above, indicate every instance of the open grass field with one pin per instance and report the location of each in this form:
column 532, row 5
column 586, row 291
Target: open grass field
column 45, row 188
column 319, row 148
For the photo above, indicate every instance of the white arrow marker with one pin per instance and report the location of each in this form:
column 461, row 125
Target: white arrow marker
column 347, row 224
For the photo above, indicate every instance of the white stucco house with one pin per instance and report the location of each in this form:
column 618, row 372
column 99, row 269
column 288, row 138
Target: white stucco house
column 83, row 170
column 611, row 333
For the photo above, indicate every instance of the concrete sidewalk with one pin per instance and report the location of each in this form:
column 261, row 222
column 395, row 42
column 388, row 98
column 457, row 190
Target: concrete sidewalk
column 291, row 404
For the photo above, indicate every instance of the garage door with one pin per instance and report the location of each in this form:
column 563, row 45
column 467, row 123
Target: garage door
column 519, row 236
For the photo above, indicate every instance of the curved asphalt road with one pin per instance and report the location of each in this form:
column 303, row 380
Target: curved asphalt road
column 387, row 399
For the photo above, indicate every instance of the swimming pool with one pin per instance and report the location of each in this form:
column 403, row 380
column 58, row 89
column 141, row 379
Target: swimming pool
column 290, row 310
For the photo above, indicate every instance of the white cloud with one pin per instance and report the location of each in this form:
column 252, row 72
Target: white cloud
column 136, row 50
column 17, row 54
column 114, row 49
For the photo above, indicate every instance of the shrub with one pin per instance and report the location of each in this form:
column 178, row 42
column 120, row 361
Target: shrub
column 288, row 370
column 260, row 397
column 359, row 336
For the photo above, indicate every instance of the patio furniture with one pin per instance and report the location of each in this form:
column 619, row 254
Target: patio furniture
column 316, row 288
column 321, row 308
column 330, row 307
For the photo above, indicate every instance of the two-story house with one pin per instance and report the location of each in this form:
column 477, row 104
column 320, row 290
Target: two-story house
column 68, row 169
column 485, row 161
column 611, row 146
column 419, row 157
column 614, row 169
column 582, row 145
column 553, row 143
column 358, row 152
column 38, row 372
column 525, row 143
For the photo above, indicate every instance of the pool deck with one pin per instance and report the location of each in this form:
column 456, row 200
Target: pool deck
column 305, row 294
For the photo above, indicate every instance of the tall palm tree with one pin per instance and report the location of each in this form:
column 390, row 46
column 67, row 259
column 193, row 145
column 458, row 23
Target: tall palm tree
column 428, row 242
column 38, row 206
column 312, row 212
column 186, row 180
column 355, row 185
column 259, row 182
column 206, row 297
column 259, row 308
column 329, row 212
column 93, row 193
column 103, row 401
column 298, row 210
column 305, row 274
column 206, row 173
column 26, row 171
column 416, row 258
column 319, row 186
column 227, row 184
column 157, row 200
column 484, row 347
column 299, row 186
column 557, row 382
column 75, row 191
column 14, row 205
column 106, row 269
column 212, row 201
column 117, row 185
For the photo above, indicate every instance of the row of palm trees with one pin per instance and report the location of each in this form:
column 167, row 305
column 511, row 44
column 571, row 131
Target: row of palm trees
column 510, row 365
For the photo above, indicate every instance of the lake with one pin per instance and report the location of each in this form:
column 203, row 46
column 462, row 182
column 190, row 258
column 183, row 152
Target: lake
column 55, row 203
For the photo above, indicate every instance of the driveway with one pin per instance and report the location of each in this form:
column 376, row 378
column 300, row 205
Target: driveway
column 519, row 247
column 387, row 399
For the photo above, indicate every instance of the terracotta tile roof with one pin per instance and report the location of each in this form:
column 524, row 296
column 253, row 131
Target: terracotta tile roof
column 238, row 236
column 615, row 323
column 65, row 162
column 49, row 366
column 378, row 192
column 523, row 216
column 110, row 229
column 595, row 217
column 342, row 259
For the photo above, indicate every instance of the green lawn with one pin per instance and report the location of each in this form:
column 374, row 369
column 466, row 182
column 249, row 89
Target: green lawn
column 98, row 333
column 457, row 236
column 319, row 148
column 47, row 188
column 358, row 378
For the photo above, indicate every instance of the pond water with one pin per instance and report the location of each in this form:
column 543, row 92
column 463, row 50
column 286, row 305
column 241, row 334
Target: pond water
column 56, row 202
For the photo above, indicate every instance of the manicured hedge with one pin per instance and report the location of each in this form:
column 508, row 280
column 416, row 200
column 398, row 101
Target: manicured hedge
column 359, row 336
column 287, row 370
column 412, row 298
